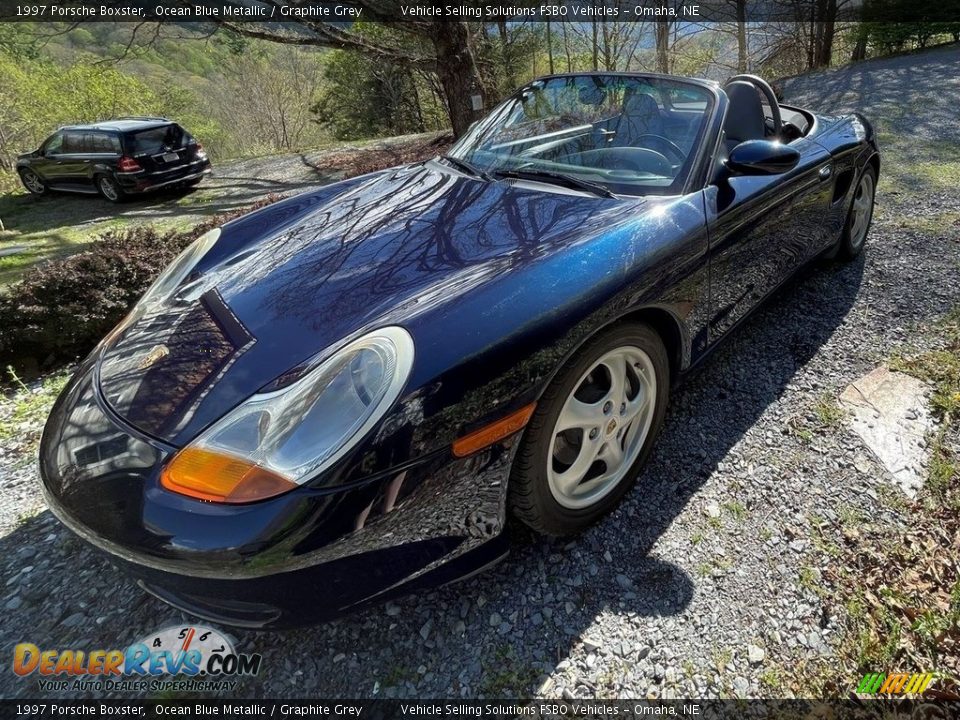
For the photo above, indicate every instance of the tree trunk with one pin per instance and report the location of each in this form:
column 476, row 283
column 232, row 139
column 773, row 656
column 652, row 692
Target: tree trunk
column 741, row 36
column 826, row 47
column 550, row 47
column 860, row 49
column 505, row 55
column 458, row 74
column 662, row 31
column 595, row 46
column 606, row 46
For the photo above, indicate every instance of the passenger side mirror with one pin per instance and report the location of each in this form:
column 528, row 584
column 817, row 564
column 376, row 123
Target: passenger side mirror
column 762, row 157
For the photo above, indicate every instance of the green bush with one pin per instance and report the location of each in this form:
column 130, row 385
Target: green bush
column 61, row 309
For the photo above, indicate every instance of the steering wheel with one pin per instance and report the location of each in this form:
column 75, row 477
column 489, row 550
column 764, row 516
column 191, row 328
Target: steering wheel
column 637, row 159
column 760, row 84
column 667, row 146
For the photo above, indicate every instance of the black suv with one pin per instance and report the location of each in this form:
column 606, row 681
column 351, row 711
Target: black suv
column 115, row 158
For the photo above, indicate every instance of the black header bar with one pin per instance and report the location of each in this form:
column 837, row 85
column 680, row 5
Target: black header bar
column 473, row 710
column 347, row 11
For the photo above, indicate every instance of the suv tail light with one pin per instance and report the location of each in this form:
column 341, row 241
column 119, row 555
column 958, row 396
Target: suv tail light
column 128, row 164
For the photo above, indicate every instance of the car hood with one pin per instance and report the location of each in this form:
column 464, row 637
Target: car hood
column 379, row 252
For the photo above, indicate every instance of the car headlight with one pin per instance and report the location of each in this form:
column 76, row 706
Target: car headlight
column 167, row 282
column 279, row 440
column 177, row 271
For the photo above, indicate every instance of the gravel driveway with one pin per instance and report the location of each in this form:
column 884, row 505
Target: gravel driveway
column 706, row 581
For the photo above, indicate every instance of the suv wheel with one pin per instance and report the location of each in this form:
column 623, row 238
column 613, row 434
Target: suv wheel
column 32, row 182
column 109, row 189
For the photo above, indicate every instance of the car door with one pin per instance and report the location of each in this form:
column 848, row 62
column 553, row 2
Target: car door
column 69, row 165
column 763, row 228
column 48, row 165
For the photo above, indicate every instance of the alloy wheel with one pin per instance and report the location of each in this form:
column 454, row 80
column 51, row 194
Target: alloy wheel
column 862, row 211
column 602, row 427
column 32, row 181
column 109, row 189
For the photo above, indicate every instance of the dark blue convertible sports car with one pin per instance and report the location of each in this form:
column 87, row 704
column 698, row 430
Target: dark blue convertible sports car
column 342, row 397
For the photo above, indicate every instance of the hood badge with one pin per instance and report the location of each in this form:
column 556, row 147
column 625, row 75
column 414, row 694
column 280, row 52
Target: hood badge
column 153, row 357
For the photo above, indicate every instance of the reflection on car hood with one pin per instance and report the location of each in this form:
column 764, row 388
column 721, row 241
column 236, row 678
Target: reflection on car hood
column 377, row 253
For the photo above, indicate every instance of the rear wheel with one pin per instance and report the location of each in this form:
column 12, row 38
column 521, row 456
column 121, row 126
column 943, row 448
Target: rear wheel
column 32, row 182
column 109, row 188
column 860, row 216
column 592, row 432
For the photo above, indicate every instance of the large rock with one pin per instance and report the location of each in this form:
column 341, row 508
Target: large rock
column 888, row 411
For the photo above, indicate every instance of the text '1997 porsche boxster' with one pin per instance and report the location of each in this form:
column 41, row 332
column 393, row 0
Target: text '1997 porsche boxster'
column 343, row 397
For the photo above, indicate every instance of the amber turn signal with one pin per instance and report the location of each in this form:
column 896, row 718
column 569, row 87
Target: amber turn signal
column 488, row 435
column 218, row 477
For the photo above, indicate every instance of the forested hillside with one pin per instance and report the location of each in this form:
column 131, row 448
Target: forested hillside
column 239, row 97
column 244, row 97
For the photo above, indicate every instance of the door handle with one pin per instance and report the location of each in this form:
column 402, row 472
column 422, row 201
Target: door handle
column 825, row 172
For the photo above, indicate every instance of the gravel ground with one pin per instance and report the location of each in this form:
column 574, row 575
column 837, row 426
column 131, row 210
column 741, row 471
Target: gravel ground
column 705, row 581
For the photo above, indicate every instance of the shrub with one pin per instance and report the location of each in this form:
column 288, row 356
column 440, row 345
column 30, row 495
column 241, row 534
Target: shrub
column 61, row 309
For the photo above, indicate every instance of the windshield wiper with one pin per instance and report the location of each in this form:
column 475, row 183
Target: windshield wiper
column 557, row 178
column 468, row 166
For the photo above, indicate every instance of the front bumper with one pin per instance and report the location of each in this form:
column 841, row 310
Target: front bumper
column 308, row 556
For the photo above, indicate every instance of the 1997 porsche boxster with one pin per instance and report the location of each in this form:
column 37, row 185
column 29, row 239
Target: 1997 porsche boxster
column 342, row 397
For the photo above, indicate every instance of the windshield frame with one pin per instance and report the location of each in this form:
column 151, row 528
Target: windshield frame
column 691, row 175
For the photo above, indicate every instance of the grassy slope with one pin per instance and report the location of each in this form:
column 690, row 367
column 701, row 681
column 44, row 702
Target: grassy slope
column 62, row 224
column 180, row 58
column 58, row 228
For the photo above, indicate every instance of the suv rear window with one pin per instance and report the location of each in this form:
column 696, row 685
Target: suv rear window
column 158, row 139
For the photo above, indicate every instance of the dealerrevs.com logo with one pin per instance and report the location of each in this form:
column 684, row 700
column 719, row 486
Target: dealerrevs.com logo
column 191, row 658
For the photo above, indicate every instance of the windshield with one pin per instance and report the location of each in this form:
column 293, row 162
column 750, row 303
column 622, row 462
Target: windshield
column 634, row 135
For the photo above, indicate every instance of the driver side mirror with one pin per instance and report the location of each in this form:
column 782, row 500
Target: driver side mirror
column 762, row 157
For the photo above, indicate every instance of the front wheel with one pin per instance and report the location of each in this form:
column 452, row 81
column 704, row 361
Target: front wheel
column 109, row 188
column 860, row 216
column 592, row 431
column 32, row 182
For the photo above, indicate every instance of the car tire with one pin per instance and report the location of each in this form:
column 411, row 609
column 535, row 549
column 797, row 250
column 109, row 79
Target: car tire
column 860, row 215
column 32, row 182
column 547, row 490
column 110, row 189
